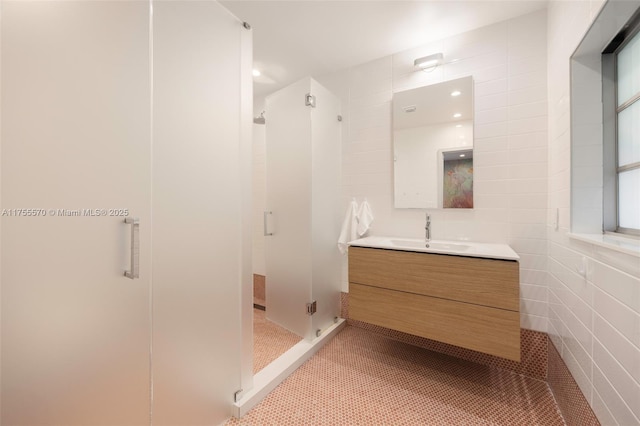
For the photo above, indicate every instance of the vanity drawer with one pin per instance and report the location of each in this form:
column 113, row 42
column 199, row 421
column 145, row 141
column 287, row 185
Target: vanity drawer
column 486, row 282
column 484, row 329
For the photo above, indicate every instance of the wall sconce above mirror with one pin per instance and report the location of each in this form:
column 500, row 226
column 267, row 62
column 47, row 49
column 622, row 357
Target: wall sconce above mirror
column 433, row 146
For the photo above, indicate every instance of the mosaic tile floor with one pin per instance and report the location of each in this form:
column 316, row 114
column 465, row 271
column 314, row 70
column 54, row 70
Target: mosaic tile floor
column 362, row 378
column 269, row 340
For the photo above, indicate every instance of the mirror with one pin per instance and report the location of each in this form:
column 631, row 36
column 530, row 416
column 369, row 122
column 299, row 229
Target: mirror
column 433, row 146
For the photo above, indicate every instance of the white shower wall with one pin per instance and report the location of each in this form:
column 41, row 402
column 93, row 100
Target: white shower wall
column 259, row 188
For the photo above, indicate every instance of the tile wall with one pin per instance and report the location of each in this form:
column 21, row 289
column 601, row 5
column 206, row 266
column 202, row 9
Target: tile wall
column 259, row 188
column 508, row 63
column 594, row 319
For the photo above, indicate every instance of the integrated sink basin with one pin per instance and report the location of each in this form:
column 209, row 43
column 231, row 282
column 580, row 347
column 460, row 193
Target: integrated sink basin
column 433, row 245
column 454, row 248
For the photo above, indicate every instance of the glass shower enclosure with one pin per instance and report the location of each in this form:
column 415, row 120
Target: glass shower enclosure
column 114, row 110
column 302, row 221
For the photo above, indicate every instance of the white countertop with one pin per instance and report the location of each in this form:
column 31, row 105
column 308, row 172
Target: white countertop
column 454, row 248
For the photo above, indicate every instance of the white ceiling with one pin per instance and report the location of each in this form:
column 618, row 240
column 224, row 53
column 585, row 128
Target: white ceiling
column 294, row 39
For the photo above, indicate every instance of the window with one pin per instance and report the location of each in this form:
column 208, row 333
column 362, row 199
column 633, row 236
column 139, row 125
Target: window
column 627, row 138
column 605, row 185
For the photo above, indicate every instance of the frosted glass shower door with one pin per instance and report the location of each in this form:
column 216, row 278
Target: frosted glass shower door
column 288, row 250
column 325, row 207
column 108, row 111
column 197, row 209
column 75, row 140
column 303, row 175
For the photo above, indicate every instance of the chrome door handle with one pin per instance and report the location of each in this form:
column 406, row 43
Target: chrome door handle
column 266, row 234
column 134, row 272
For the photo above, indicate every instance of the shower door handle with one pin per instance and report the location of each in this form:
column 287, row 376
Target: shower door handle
column 134, row 272
column 265, row 216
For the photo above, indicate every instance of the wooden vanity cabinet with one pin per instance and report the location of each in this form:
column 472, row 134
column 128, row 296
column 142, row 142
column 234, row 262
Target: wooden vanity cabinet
column 469, row 302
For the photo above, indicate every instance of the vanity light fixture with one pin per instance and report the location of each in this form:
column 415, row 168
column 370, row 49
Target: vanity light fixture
column 456, row 93
column 256, row 73
column 428, row 63
column 457, row 115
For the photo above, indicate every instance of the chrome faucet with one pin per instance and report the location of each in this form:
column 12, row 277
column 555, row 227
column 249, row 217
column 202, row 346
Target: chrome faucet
column 427, row 229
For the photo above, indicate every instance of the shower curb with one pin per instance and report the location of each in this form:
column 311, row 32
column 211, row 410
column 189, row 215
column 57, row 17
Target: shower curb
column 275, row 373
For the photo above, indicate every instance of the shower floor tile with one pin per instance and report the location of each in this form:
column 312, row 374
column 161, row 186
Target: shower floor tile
column 269, row 340
column 362, row 378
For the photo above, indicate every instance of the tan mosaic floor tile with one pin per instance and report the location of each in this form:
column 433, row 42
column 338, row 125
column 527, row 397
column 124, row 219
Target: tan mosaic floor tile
column 269, row 340
column 362, row 378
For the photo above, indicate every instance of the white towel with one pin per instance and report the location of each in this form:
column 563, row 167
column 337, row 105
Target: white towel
column 365, row 218
column 349, row 227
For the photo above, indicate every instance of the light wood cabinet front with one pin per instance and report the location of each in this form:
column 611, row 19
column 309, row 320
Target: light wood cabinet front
column 462, row 301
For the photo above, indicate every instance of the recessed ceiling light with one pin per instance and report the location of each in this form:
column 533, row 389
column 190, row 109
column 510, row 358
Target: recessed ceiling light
column 256, row 73
column 457, row 115
column 458, row 125
column 456, row 93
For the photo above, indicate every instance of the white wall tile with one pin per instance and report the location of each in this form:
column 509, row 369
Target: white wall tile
column 533, row 307
column 487, row 201
column 519, row 230
column 528, row 186
column 616, row 405
column 491, row 130
column 529, row 171
column 491, row 87
column 530, row 79
column 530, row 110
column 581, row 354
column 528, row 95
column 622, row 349
column 490, row 144
column 533, row 261
column 528, row 125
column 534, row 322
column 490, row 173
column 534, row 277
column 625, row 385
column 552, row 330
column 601, row 410
column 520, row 28
column 522, row 65
column 531, row 155
column 623, row 319
column 529, row 246
column 490, row 101
column 624, row 287
column 488, row 116
column 578, row 372
column 528, row 201
column 490, row 158
column 534, row 292
column 528, row 140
